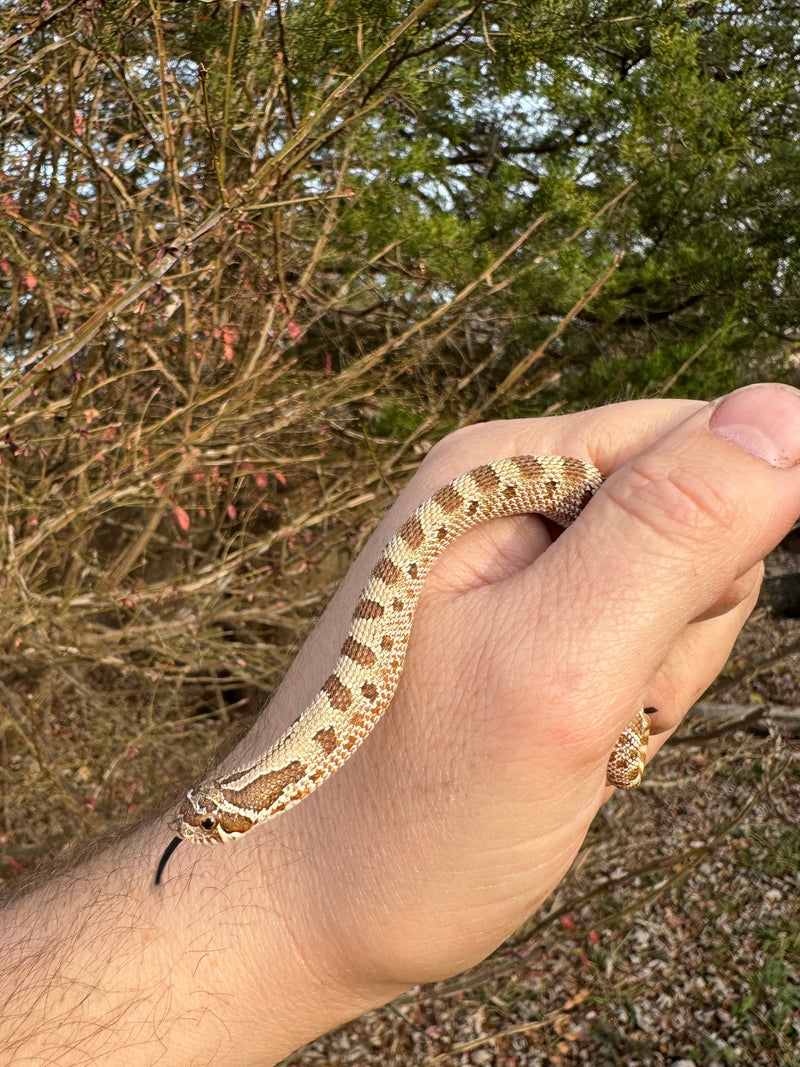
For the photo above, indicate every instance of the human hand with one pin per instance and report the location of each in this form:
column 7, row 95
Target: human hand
column 469, row 800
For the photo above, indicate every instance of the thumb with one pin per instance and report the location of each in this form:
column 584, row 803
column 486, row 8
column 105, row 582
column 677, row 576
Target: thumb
column 664, row 538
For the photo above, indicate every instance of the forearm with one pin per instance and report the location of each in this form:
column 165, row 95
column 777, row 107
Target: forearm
column 235, row 958
column 221, row 964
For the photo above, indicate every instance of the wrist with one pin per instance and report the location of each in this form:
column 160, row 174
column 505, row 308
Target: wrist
column 290, row 946
column 249, row 937
column 230, row 954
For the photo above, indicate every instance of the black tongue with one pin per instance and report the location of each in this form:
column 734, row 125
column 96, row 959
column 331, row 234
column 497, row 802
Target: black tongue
column 167, row 853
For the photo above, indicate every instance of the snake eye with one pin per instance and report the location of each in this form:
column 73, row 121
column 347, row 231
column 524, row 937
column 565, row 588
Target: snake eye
column 209, row 822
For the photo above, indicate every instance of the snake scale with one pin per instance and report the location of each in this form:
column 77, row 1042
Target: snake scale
column 363, row 681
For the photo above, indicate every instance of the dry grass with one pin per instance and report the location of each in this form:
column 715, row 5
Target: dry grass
column 187, row 428
column 211, row 387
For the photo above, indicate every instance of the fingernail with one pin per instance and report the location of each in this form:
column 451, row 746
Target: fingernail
column 764, row 420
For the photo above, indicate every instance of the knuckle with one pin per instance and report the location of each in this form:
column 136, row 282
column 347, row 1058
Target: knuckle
column 741, row 592
column 746, row 587
column 459, row 440
column 675, row 501
column 460, row 450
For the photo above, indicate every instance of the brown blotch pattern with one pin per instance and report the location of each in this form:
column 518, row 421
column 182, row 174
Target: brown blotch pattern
column 326, row 739
column 358, row 653
column 412, row 533
column 397, row 604
column 368, row 609
column 386, row 571
column 530, row 467
column 549, row 491
column 234, row 824
column 350, row 743
column 448, row 499
column 370, row 691
column 339, row 695
column 413, row 570
column 267, row 789
column 387, row 644
column 485, row 478
column 473, row 506
column 510, row 491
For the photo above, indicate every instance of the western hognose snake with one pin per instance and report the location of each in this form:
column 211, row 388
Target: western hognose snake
column 362, row 683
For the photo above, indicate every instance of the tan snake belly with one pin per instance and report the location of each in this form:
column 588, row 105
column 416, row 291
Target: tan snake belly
column 365, row 676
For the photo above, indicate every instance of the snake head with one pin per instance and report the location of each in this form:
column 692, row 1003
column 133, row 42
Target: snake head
column 207, row 817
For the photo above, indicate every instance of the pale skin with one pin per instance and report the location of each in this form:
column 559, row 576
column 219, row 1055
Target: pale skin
column 467, row 804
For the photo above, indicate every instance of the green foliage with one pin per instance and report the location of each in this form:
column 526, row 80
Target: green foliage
column 395, row 421
column 477, row 121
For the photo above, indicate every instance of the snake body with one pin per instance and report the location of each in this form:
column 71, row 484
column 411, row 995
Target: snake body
column 364, row 679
